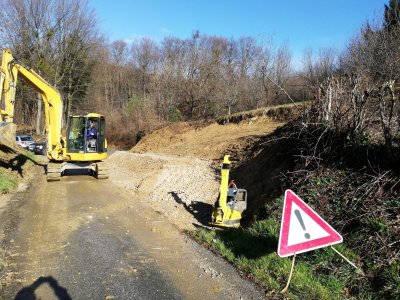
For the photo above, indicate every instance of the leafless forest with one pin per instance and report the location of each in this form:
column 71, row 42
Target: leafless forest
column 141, row 85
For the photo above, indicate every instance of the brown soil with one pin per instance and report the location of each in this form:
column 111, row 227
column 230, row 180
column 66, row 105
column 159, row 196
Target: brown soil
column 176, row 169
column 207, row 141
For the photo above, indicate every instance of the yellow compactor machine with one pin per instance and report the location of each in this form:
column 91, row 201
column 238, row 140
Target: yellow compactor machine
column 78, row 150
column 231, row 202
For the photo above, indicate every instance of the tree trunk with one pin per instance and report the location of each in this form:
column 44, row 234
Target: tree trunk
column 39, row 113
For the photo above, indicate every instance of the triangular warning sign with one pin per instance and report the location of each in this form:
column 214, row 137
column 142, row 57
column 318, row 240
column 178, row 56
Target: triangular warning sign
column 302, row 229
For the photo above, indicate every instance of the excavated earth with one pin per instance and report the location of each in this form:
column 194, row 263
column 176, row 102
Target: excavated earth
column 177, row 168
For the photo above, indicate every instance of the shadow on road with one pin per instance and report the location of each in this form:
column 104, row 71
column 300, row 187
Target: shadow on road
column 200, row 210
column 77, row 172
column 28, row 293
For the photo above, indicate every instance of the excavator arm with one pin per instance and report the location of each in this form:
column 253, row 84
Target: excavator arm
column 11, row 69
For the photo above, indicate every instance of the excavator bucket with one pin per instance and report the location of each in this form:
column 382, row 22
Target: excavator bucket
column 7, row 94
column 7, row 135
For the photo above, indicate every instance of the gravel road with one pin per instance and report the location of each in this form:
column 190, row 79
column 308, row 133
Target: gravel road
column 83, row 238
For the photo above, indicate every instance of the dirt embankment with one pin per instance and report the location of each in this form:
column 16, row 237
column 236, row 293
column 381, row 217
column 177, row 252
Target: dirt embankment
column 176, row 169
column 206, row 140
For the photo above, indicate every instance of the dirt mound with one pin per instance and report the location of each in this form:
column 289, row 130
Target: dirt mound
column 206, row 140
column 181, row 188
column 177, row 168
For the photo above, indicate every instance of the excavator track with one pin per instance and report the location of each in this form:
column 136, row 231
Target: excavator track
column 53, row 172
column 101, row 170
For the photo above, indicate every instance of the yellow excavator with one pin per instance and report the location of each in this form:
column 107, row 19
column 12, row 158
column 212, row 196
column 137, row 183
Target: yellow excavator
column 231, row 202
column 84, row 146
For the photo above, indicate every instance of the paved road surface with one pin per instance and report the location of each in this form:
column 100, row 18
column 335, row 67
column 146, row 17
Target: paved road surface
column 83, row 238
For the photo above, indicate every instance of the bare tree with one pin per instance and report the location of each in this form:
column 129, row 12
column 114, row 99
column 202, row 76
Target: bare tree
column 55, row 38
column 145, row 59
column 318, row 68
column 389, row 115
column 171, row 78
column 119, row 52
column 281, row 69
column 248, row 52
column 193, row 84
column 374, row 55
column 273, row 70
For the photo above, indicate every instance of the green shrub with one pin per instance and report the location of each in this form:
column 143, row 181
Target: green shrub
column 175, row 115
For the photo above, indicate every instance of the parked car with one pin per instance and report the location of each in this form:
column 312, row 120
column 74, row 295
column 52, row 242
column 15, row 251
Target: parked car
column 38, row 147
column 24, row 140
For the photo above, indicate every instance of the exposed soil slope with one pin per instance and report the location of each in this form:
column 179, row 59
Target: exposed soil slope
column 206, row 140
column 176, row 168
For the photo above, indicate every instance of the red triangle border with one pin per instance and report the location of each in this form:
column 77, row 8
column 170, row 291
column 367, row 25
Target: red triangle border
column 283, row 248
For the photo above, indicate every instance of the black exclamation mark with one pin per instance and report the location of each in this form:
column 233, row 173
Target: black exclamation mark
column 298, row 215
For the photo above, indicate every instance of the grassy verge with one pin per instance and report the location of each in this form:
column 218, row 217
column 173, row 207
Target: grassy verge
column 319, row 274
column 7, row 184
column 14, row 170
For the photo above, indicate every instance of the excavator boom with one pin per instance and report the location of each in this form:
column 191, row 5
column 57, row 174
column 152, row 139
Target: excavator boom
column 11, row 69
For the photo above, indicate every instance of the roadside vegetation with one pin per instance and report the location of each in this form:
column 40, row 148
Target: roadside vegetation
column 352, row 185
column 7, row 184
column 253, row 252
column 14, row 166
column 342, row 157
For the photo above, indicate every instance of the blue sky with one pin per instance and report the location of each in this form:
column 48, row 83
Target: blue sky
column 300, row 24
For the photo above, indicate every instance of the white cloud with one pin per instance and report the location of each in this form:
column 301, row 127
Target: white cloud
column 133, row 38
column 165, row 30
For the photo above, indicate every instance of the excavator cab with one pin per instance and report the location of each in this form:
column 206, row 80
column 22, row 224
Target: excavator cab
column 85, row 134
column 85, row 147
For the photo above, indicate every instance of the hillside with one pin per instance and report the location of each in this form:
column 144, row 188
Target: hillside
column 206, row 140
column 354, row 187
column 176, row 168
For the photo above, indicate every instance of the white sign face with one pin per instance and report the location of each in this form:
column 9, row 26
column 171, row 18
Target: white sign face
column 302, row 229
